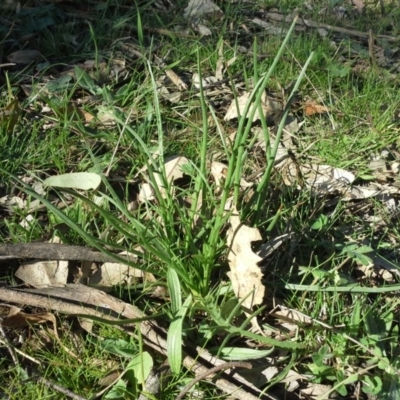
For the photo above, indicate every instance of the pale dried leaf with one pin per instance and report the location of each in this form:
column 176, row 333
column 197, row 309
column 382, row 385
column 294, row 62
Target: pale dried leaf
column 290, row 315
column 219, row 69
column 199, row 8
column 315, row 390
column 269, row 28
column 176, row 80
column 202, row 29
column 311, row 107
column 43, row 273
column 270, row 372
column 110, row 274
column 173, row 171
column 266, row 249
column 245, row 273
column 236, row 109
column 293, row 376
column 282, row 152
column 218, row 172
column 13, row 202
column 27, row 221
column 326, row 179
column 361, row 192
column 86, row 324
column 146, row 193
column 359, row 5
column 205, row 81
column 7, row 310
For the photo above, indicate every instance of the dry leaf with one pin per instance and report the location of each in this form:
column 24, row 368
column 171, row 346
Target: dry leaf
column 173, row 171
column 10, row 115
column 268, row 106
column 245, row 273
column 173, row 167
column 110, row 274
column 202, row 29
column 7, row 311
column 316, row 390
column 43, row 273
column 269, row 28
column 205, row 81
column 359, row 5
column 146, row 193
column 311, row 107
column 176, row 80
column 199, row 8
column 326, row 179
column 20, row 319
column 24, row 56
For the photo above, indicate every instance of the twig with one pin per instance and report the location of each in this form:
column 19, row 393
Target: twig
column 55, row 251
column 9, row 347
column 79, row 299
column 312, row 24
column 221, row 367
column 60, row 389
column 30, row 358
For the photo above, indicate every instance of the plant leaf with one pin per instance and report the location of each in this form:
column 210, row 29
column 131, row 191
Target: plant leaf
column 141, row 366
column 76, row 180
column 174, row 339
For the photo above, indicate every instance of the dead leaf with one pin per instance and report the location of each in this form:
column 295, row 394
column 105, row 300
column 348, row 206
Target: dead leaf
column 245, row 273
column 10, row 115
column 173, row 171
column 219, row 171
column 311, row 107
column 326, row 179
column 316, row 390
column 7, row 311
column 202, row 29
column 177, row 81
column 205, row 81
column 146, row 193
column 24, row 56
column 18, row 319
column 269, row 28
column 199, row 8
column 43, row 273
column 359, row 5
column 236, row 109
column 110, row 274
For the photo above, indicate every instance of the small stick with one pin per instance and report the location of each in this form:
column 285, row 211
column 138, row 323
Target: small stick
column 60, row 389
column 221, row 367
column 9, row 347
column 21, row 353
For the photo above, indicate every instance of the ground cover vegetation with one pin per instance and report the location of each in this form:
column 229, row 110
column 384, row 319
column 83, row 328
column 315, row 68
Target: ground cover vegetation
column 199, row 199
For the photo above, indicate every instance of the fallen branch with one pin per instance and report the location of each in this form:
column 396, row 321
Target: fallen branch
column 54, row 251
column 312, row 24
column 79, row 299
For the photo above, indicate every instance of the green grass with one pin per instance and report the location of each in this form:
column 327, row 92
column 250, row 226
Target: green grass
column 112, row 122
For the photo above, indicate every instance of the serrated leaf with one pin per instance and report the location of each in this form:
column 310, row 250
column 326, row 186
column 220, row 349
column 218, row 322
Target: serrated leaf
column 76, row 180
